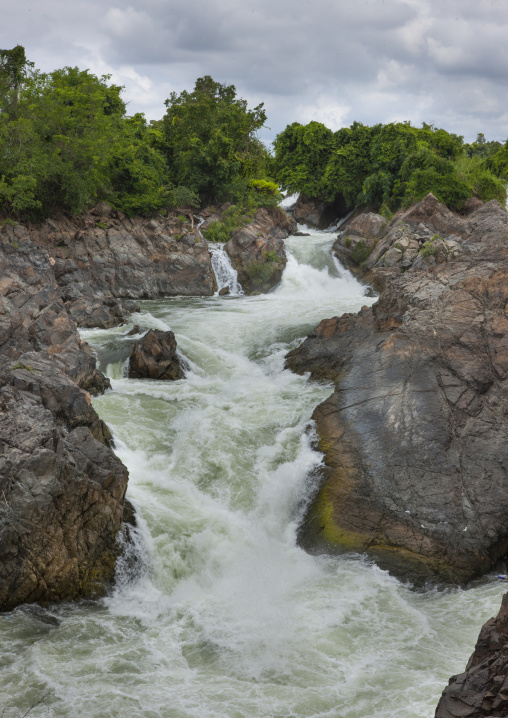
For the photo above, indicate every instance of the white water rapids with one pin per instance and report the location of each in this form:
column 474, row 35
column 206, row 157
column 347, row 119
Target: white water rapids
column 228, row 618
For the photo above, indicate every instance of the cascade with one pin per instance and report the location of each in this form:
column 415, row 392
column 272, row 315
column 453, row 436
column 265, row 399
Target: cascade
column 225, row 274
column 224, row 615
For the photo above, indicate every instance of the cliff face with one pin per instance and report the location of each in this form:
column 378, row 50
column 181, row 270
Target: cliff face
column 61, row 486
column 415, row 435
column 482, row 690
column 104, row 261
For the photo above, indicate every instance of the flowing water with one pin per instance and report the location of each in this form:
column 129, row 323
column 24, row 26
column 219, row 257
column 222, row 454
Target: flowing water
column 225, row 616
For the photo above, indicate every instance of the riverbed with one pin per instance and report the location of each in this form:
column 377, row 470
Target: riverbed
column 217, row 613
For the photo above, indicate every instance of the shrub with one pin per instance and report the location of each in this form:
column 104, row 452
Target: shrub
column 360, row 253
column 235, row 217
column 271, row 256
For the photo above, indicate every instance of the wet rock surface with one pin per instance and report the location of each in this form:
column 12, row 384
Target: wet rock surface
column 257, row 250
column 415, row 436
column 154, row 357
column 61, row 486
column 482, row 690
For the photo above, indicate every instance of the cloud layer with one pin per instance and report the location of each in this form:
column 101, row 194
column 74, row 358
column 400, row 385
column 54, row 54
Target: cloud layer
column 438, row 61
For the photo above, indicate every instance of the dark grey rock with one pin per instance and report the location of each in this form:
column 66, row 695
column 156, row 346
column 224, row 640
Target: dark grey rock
column 154, row 357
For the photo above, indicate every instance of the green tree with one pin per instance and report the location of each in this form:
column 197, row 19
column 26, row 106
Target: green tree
column 13, row 71
column 210, row 140
column 302, row 153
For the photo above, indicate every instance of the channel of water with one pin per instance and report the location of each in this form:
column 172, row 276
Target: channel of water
column 225, row 616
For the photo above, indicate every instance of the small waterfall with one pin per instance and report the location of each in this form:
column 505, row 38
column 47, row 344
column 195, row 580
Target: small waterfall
column 338, row 222
column 225, row 275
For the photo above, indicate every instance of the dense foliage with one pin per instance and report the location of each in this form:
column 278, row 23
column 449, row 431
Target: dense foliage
column 66, row 143
column 210, row 140
column 388, row 166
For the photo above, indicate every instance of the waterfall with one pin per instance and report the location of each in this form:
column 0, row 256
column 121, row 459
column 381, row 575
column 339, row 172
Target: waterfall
column 225, row 275
column 338, row 222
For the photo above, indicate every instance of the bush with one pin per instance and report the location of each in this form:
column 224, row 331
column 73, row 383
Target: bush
column 235, row 217
column 361, row 252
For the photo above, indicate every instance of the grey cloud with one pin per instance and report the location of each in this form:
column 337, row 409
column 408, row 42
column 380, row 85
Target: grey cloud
column 370, row 60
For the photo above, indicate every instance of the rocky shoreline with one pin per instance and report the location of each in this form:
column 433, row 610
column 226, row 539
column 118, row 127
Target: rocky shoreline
column 62, row 489
column 415, row 435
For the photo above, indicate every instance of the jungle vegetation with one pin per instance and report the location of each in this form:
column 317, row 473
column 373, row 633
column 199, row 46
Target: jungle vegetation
column 389, row 166
column 66, row 142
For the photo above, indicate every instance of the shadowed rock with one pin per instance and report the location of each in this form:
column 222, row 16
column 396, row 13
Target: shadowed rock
column 482, row 690
column 154, row 357
column 316, row 213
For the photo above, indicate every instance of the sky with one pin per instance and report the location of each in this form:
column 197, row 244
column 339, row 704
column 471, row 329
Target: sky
column 444, row 62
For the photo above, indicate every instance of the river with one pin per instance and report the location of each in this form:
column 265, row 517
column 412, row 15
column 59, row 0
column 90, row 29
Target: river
column 223, row 616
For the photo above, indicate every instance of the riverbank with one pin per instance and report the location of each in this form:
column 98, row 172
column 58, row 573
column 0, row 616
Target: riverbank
column 415, row 435
column 63, row 488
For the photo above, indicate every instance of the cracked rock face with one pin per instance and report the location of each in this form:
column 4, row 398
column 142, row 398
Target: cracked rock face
column 482, row 690
column 103, row 262
column 415, row 436
column 61, row 486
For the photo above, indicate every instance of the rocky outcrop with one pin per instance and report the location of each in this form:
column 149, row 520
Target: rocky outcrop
column 154, row 357
column 482, row 690
column 426, row 234
column 257, row 250
column 61, row 486
column 415, row 436
column 317, row 213
column 104, row 262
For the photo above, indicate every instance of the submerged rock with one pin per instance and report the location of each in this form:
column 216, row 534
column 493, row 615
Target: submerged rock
column 415, row 436
column 154, row 357
column 482, row 690
column 257, row 250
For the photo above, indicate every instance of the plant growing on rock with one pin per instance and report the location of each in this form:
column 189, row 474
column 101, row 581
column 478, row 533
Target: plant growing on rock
column 235, row 217
column 360, row 252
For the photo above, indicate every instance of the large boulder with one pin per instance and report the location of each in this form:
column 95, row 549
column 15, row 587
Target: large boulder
column 257, row 250
column 62, row 487
column 415, row 437
column 154, row 357
column 482, row 690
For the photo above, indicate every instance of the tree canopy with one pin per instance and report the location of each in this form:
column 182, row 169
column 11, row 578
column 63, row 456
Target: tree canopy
column 387, row 166
column 66, row 143
column 209, row 137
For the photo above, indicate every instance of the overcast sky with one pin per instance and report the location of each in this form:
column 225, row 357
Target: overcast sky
column 335, row 61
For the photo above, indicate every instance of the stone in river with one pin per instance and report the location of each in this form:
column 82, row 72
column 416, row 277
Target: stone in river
column 154, row 357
